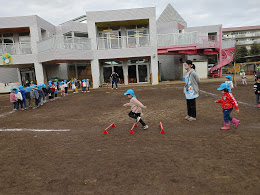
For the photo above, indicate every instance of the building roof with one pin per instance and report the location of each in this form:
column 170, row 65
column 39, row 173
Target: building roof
column 242, row 28
column 170, row 14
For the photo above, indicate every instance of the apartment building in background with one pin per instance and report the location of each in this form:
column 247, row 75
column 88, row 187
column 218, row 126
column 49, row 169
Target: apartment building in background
column 243, row 36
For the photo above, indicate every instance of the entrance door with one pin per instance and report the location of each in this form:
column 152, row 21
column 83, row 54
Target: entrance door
column 119, row 71
column 28, row 76
column 142, row 73
column 132, row 78
column 107, row 71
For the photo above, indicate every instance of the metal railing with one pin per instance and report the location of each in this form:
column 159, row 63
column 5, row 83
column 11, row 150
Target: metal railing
column 119, row 42
column 64, row 42
column 16, row 48
column 228, row 43
column 178, row 39
column 174, row 39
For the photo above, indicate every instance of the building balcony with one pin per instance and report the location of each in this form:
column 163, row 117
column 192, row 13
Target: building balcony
column 245, row 42
column 121, row 42
column 178, row 39
column 16, row 48
column 244, row 35
column 64, row 42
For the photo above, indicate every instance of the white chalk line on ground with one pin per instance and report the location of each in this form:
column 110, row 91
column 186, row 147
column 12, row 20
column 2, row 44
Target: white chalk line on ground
column 243, row 103
column 217, row 96
column 7, row 113
column 44, row 130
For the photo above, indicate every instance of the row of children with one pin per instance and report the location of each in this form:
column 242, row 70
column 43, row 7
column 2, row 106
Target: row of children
column 34, row 95
column 85, row 85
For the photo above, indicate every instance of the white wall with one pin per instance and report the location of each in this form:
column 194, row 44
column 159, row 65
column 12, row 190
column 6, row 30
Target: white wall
column 201, row 69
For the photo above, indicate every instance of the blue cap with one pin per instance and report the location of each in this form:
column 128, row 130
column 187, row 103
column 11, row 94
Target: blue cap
column 84, row 80
column 20, row 87
column 229, row 77
column 16, row 91
column 65, row 81
column 55, row 83
column 130, row 92
column 28, row 89
column 224, row 86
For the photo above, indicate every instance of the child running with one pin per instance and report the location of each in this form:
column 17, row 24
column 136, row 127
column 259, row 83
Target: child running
column 228, row 101
column 136, row 108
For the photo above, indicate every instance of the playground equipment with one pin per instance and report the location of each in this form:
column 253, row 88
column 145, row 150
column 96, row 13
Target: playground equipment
column 112, row 125
column 132, row 132
column 162, row 131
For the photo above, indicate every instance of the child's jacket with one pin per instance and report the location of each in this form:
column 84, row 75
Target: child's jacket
column 19, row 96
column 12, row 97
column 136, row 106
column 228, row 101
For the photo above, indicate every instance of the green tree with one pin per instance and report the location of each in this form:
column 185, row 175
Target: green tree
column 255, row 49
column 240, row 52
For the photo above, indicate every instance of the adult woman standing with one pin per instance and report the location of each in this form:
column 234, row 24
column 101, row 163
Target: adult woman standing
column 191, row 90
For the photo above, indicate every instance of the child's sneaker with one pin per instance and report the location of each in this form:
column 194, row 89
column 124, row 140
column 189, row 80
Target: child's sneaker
column 138, row 119
column 144, row 127
column 187, row 117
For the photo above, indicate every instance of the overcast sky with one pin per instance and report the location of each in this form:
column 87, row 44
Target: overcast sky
column 229, row 13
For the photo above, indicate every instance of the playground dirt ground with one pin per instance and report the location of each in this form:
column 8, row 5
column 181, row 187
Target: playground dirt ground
column 190, row 158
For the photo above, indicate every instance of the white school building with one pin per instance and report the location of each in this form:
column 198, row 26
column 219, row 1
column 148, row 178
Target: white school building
column 130, row 42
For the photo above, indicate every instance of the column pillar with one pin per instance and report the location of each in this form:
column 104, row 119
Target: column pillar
column 125, row 70
column 95, row 73
column 154, row 69
column 39, row 73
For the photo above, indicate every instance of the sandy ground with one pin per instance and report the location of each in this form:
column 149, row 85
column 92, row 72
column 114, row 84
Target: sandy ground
column 190, row 158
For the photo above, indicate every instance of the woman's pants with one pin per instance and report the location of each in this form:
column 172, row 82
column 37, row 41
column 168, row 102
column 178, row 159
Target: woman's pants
column 135, row 115
column 191, row 107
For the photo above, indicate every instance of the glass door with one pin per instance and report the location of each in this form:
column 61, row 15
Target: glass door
column 132, row 78
column 107, row 71
column 119, row 71
column 142, row 73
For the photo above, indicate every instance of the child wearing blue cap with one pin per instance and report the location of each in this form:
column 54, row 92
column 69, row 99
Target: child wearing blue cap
column 228, row 101
column 136, row 108
column 229, row 81
column 29, row 97
column 84, row 86
column 13, row 98
column 23, row 92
